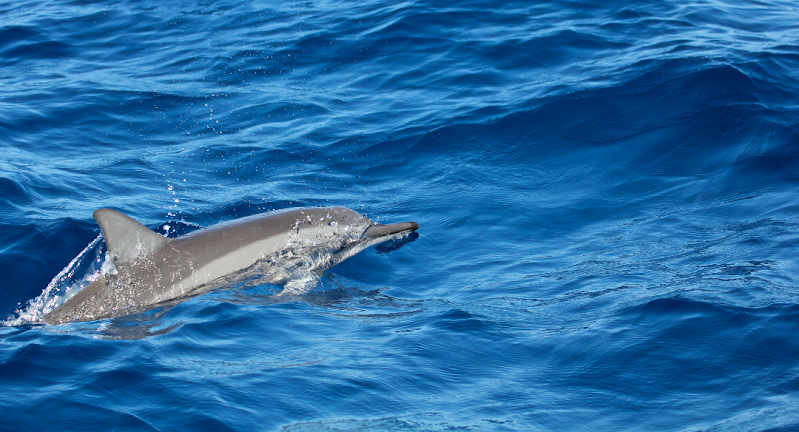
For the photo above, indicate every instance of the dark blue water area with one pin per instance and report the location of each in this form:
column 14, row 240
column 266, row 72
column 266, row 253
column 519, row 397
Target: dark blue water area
column 607, row 195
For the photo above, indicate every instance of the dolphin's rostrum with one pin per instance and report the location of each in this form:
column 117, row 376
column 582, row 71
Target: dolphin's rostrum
column 143, row 268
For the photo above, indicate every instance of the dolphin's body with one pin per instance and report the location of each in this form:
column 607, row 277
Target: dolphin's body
column 143, row 268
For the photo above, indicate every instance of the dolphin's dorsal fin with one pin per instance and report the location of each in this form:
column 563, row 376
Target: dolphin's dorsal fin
column 126, row 238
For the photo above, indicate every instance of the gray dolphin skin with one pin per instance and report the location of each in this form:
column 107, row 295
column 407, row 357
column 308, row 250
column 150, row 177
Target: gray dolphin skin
column 143, row 268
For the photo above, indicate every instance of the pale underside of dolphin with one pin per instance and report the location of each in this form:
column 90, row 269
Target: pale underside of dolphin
column 144, row 269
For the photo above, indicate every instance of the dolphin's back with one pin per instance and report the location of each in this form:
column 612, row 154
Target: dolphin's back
column 268, row 230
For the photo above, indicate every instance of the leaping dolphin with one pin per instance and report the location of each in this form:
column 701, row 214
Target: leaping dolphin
column 143, row 268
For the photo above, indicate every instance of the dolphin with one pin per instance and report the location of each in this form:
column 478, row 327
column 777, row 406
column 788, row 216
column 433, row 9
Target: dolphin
column 143, row 269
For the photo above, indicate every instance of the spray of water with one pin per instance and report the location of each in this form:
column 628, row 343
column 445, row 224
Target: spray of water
column 88, row 265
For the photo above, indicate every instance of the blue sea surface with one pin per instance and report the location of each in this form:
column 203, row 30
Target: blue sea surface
column 607, row 195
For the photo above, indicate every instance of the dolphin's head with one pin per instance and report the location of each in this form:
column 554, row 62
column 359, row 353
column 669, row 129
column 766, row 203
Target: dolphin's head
column 337, row 233
column 344, row 219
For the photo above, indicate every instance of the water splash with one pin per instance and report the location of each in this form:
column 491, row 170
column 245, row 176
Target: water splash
column 64, row 285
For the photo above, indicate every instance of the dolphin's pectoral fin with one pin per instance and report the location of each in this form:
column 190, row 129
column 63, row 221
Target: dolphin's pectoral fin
column 126, row 238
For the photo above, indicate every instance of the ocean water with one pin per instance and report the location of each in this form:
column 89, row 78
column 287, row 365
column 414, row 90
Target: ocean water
column 607, row 194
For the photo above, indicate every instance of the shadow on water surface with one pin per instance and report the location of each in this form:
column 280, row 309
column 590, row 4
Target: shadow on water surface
column 334, row 295
column 396, row 244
